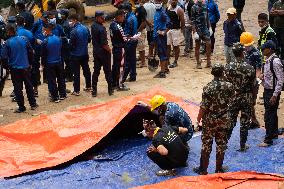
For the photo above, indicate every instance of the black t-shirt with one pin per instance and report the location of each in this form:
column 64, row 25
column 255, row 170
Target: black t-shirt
column 166, row 136
column 140, row 14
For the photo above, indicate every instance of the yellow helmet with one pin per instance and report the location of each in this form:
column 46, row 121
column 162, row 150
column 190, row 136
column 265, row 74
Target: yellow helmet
column 246, row 39
column 157, row 101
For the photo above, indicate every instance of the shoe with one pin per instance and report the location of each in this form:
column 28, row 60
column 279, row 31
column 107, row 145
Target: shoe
column 34, row 107
column 36, row 94
column 54, row 100
column 110, row 91
column 264, row 144
column 160, row 75
column 68, row 91
column 123, row 87
column 75, row 93
column 173, row 65
column 12, row 94
column 167, row 71
column 14, row 99
column 223, row 170
column 130, row 80
column 170, row 172
column 243, row 148
column 87, row 89
column 20, row 110
column 94, row 91
column 198, row 66
column 62, row 97
column 197, row 170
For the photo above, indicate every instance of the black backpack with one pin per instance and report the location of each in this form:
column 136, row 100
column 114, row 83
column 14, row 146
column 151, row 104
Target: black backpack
column 273, row 73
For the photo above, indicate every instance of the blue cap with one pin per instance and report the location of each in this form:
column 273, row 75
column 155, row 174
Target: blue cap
column 11, row 19
column 99, row 13
column 268, row 45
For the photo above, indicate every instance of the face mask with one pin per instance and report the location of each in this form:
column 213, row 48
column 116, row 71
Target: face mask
column 52, row 21
column 158, row 6
column 137, row 5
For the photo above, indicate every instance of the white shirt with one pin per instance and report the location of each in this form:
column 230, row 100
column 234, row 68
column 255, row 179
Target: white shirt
column 151, row 10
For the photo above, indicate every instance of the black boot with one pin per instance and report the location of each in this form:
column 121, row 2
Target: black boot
column 94, row 91
column 204, row 162
column 110, row 90
column 219, row 163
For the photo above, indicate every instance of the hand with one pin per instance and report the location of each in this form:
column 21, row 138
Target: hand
column 210, row 31
column 38, row 41
column 196, row 36
column 182, row 130
column 152, row 149
column 141, row 103
column 273, row 100
column 261, row 76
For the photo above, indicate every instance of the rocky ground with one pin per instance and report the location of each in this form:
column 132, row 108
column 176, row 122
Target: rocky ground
column 184, row 81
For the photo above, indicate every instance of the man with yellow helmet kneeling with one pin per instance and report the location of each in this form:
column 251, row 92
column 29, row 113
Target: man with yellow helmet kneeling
column 171, row 115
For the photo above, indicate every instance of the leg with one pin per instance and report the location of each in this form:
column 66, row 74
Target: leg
column 187, row 39
column 52, row 85
column 96, row 73
column 76, row 71
column 17, row 79
column 150, row 43
column 161, row 42
column 86, row 71
column 117, row 58
column 127, row 61
column 212, row 37
column 233, row 115
column 197, row 54
column 132, row 64
column 221, row 145
column 107, row 71
column 61, row 80
column 208, row 53
column 162, row 161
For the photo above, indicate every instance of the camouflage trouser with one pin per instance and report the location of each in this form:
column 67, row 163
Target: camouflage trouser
column 217, row 129
column 243, row 103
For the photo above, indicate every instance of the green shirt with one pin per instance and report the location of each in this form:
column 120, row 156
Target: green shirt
column 279, row 20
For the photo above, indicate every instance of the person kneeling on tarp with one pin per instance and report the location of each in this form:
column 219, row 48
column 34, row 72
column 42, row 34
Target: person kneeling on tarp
column 167, row 149
column 171, row 115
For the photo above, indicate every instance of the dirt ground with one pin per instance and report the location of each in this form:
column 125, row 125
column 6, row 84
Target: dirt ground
column 184, row 81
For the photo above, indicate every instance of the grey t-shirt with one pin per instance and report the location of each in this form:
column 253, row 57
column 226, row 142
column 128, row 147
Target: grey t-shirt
column 150, row 9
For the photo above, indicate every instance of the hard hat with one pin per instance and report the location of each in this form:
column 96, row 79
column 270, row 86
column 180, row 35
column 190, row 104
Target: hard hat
column 231, row 11
column 157, row 101
column 246, row 39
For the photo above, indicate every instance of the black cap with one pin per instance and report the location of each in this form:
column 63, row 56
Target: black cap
column 99, row 13
column 268, row 45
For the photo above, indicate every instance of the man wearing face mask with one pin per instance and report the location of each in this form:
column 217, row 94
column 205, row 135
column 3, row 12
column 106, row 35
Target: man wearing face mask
column 266, row 33
column 29, row 18
column 201, row 31
column 167, row 149
column 79, row 39
column 161, row 23
column 130, row 29
column 174, row 35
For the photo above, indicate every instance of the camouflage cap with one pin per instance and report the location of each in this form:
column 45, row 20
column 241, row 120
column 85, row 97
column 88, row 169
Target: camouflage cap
column 217, row 69
column 238, row 49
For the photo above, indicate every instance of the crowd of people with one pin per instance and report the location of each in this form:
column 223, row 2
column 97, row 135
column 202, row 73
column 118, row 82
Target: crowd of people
column 58, row 43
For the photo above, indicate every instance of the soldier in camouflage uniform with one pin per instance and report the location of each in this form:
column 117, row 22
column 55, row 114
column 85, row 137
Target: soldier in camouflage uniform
column 215, row 120
column 242, row 76
column 201, row 31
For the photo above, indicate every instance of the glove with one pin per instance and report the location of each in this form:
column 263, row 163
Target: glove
column 196, row 36
column 210, row 31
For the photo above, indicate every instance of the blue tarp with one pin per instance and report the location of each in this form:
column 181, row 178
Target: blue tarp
column 125, row 164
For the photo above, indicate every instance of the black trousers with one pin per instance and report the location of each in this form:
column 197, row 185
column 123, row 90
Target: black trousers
column 213, row 26
column 130, row 61
column 56, row 81
column 68, row 74
column 20, row 77
column 164, row 162
column 270, row 116
column 35, row 73
column 76, row 63
column 102, row 60
column 280, row 39
column 117, row 58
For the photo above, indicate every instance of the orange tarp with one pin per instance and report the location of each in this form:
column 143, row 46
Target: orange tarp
column 47, row 141
column 232, row 180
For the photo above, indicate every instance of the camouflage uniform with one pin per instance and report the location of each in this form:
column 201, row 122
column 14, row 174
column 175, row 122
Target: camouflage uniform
column 215, row 121
column 242, row 76
column 199, row 18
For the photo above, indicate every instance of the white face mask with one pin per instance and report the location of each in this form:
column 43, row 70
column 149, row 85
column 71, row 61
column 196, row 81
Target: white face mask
column 158, row 5
column 52, row 21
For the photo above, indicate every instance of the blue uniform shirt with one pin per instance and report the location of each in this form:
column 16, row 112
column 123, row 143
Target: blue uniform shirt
column 131, row 24
column 175, row 116
column 233, row 31
column 213, row 11
column 99, row 38
column 253, row 57
column 79, row 39
column 15, row 50
column 21, row 31
column 58, row 31
column 51, row 50
column 161, row 21
column 37, row 30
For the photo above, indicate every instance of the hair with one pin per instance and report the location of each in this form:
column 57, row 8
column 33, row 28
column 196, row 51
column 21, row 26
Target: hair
column 21, row 5
column 263, row 16
column 119, row 12
column 11, row 28
column 74, row 17
column 20, row 20
column 217, row 73
column 51, row 5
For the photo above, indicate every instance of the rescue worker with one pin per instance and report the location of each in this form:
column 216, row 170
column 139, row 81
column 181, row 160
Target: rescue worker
column 167, row 149
column 16, row 51
column 118, row 40
column 252, row 57
column 79, row 39
column 266, row 33
column 242, row 76
column 201, row 31
column 214, row 17
column 51, row 56
column 101, row 53
column 188, row 28
column 174, row 35
column 28, row 16
column 161, row 22
column 171, row 115
column 215, row 119
column 130, row 30
column 232, row 29
column 273, row 81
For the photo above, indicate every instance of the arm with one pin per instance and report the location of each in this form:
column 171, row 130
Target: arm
column 162, row 150
column 143, row 16
column 217, row 13
column 104, row 41
column 180, row 14
column 44, row 52
column 200, row 114
column 73, row 39
column 193, row 19
column 278, row 70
